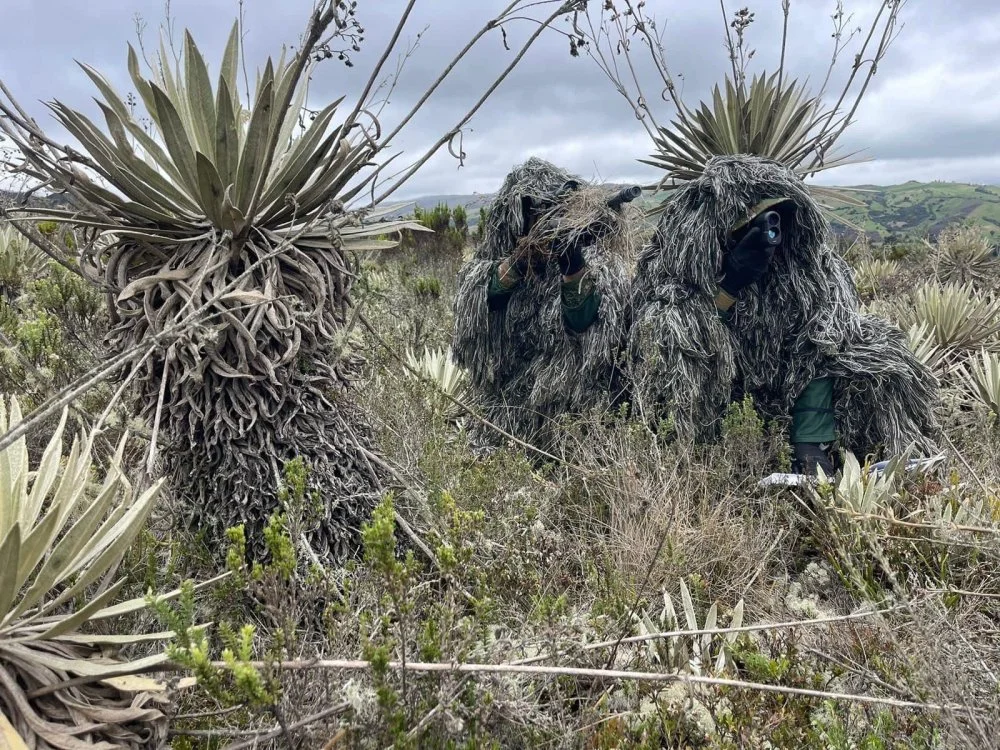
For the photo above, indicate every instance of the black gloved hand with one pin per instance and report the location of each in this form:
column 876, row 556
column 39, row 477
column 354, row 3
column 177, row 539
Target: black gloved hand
column 520, row 262
column 809, row 456
column 746, row 262
column 571, row 258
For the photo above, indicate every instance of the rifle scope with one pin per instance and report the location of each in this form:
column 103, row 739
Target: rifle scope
column 625, row 195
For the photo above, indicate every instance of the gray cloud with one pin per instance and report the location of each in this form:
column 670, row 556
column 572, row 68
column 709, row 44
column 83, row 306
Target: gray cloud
column 931, row 113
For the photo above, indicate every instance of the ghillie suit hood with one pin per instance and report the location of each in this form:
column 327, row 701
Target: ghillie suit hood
column 799, row 322
column 525, row 366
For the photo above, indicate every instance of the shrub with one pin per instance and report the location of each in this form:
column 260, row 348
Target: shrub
column 62, row 533
column 965, row 255
column 449, row 232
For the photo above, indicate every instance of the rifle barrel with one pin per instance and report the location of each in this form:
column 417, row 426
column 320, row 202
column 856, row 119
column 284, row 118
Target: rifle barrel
column 625, row 195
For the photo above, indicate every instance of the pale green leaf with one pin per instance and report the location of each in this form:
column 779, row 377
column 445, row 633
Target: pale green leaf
column 73, row 482
column 141, row 84
column 164, row 192
column 668, row 616
column 169, row 82
column 331, row 181
column 201, row 106
column 48, row 471
column 688, row 605
column 737, row 621
column 139, row 603
column 110, row 546
column 285, row 121
column 212, row 191
column 229, row 69
column 10, row 549
column 176, row 139
column 252, row 156
column 112, row 639
column 711, row 621
column 17, row 460
column 361, row 246
column 149, row 146
column 57, row 564
column 75, row 620
column 34, row 545
column 9, row 510
column 304, row 160
column 141, row 201
column 227, row 139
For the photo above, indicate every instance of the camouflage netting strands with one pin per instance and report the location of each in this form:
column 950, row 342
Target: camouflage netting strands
column 258, row 384
column 525, row 366
column 800, row 322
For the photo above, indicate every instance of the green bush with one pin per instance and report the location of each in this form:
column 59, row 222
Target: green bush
column 427, row 286
column 450, row 229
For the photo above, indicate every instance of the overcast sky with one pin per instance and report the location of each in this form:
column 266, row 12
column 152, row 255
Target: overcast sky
column 932, row 112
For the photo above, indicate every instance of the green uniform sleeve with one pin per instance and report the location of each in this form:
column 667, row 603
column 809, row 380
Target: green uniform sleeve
column 580, row 299
column 580, row 303
column 813, row 419
column 496, row 293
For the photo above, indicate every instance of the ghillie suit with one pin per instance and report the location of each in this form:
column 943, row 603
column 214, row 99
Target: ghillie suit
column 526, row 363
column 800, row 323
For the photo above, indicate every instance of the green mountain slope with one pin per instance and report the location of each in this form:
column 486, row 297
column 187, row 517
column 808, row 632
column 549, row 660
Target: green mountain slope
column 922, row 208
column 914, row 209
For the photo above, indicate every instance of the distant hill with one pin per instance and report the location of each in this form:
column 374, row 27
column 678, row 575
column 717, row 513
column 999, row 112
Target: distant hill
column 923, row 208
column 472, row 203
column 915, row 209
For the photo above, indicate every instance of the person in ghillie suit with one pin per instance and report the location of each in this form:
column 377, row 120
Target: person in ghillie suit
column 540, row 311
column 721, row 312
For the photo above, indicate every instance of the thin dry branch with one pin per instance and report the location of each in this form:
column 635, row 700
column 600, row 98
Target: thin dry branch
column 950, row 526
column 257, row 736
column 760, row 627
column 730, row 48
column 785, row 8
column 829, row 134
column 605, row 674
column 363, row 99
column 448, row 69
column 448, row 137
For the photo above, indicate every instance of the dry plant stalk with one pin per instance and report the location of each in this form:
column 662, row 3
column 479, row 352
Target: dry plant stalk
column 607, row 674
column 608, row 36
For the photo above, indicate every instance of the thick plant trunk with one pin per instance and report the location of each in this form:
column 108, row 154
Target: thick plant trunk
column 237, row 481
column 263, row 378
